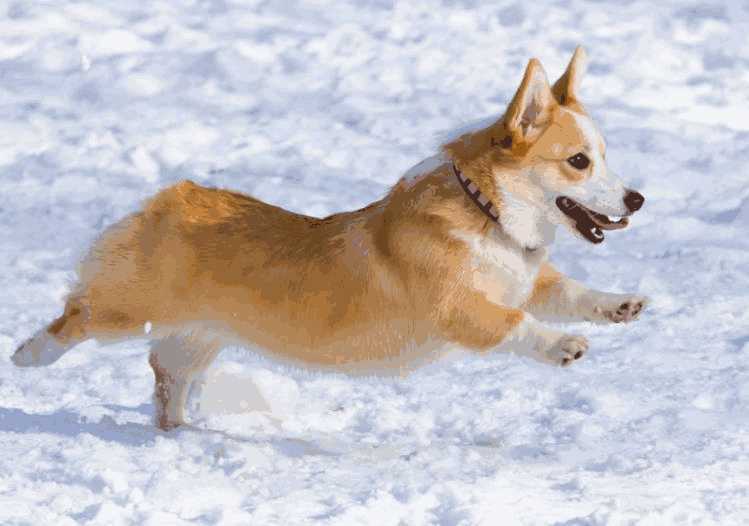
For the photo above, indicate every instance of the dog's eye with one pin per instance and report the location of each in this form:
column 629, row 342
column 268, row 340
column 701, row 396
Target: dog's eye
column 579, row 161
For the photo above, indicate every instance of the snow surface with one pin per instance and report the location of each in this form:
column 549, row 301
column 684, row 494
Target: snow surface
column 320, row 108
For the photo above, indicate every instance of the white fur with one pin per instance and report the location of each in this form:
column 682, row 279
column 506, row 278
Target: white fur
column 526, row 223
column 503, row 269
column 427, row 166
column 504, row 272
column 469, row 127
column 533, row 339
column 39, row 351
column 527, row 337
column 204, row 335
column 602, row 191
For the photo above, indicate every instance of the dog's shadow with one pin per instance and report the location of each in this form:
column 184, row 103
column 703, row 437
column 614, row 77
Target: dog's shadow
column 69, row 424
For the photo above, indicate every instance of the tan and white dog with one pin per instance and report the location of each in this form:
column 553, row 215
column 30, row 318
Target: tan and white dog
column 454, row 254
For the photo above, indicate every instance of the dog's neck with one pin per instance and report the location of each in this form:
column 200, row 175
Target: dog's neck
column 472, row 190
column 525, row 224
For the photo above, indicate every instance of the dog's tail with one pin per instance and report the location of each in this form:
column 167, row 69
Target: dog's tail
column 40, row 350
column 49, row 344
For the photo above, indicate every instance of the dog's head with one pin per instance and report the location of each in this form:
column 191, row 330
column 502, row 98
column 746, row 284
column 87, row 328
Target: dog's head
column 547, row 151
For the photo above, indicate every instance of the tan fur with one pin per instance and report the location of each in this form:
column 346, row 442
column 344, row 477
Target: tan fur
column 547, row 280
column 206, row 267
column 325, row 291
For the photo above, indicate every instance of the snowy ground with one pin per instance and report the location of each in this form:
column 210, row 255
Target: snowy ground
column 102, row 104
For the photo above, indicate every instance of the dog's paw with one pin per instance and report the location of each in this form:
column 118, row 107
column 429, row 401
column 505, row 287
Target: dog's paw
column 567, row 349
column 621, row 309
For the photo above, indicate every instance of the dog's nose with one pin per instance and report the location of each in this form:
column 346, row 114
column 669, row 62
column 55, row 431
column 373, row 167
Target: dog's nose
column 633, row 200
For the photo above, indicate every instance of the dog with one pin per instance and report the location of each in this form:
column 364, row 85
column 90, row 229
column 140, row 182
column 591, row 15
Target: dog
column 455, row 254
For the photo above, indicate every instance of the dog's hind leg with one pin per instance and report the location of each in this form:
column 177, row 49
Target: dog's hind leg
column 176, row 361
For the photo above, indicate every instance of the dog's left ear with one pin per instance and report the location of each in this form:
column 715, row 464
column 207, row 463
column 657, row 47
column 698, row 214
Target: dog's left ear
column 531, row 106
column 565, row 89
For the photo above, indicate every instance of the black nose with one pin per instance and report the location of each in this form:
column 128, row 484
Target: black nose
column 633, row 200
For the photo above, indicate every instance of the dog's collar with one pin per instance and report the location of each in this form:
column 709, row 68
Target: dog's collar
column 480, row 200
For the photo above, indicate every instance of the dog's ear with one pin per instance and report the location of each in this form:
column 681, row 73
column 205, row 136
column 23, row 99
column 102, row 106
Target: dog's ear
column 532, row 105
column 565, row 89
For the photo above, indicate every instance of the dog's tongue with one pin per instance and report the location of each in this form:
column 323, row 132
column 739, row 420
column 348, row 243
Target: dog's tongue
column 604, row 222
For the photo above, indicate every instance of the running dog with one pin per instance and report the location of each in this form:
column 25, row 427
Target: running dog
column 454, row 255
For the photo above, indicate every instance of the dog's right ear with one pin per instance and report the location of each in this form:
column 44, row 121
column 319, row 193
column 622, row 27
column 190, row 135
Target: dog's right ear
column 565, row 89
column 532, row 105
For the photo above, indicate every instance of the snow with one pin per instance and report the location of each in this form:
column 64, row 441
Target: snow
column 321, row 109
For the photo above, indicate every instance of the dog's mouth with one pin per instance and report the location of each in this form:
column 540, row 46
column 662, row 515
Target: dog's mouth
column 589, row 223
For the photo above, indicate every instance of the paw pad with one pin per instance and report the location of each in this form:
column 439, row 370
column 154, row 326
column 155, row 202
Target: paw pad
column 625, row 312
column 571, row 348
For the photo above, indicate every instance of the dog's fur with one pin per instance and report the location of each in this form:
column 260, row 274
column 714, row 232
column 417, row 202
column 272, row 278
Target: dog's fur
column 386, row 285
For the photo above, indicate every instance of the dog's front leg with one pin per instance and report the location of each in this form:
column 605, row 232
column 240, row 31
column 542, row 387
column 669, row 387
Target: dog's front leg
column 533, row 339
column 481, row 325
column 559, row 298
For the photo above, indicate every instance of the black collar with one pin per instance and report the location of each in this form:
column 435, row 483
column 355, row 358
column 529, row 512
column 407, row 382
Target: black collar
column 480, row 200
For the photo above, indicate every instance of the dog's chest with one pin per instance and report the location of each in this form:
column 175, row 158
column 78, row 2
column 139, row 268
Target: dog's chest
column 504, row 273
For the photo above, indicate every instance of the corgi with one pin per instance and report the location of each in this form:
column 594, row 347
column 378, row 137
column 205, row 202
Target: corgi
column 454, row 255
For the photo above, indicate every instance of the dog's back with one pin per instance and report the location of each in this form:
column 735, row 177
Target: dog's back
column 209, row 260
